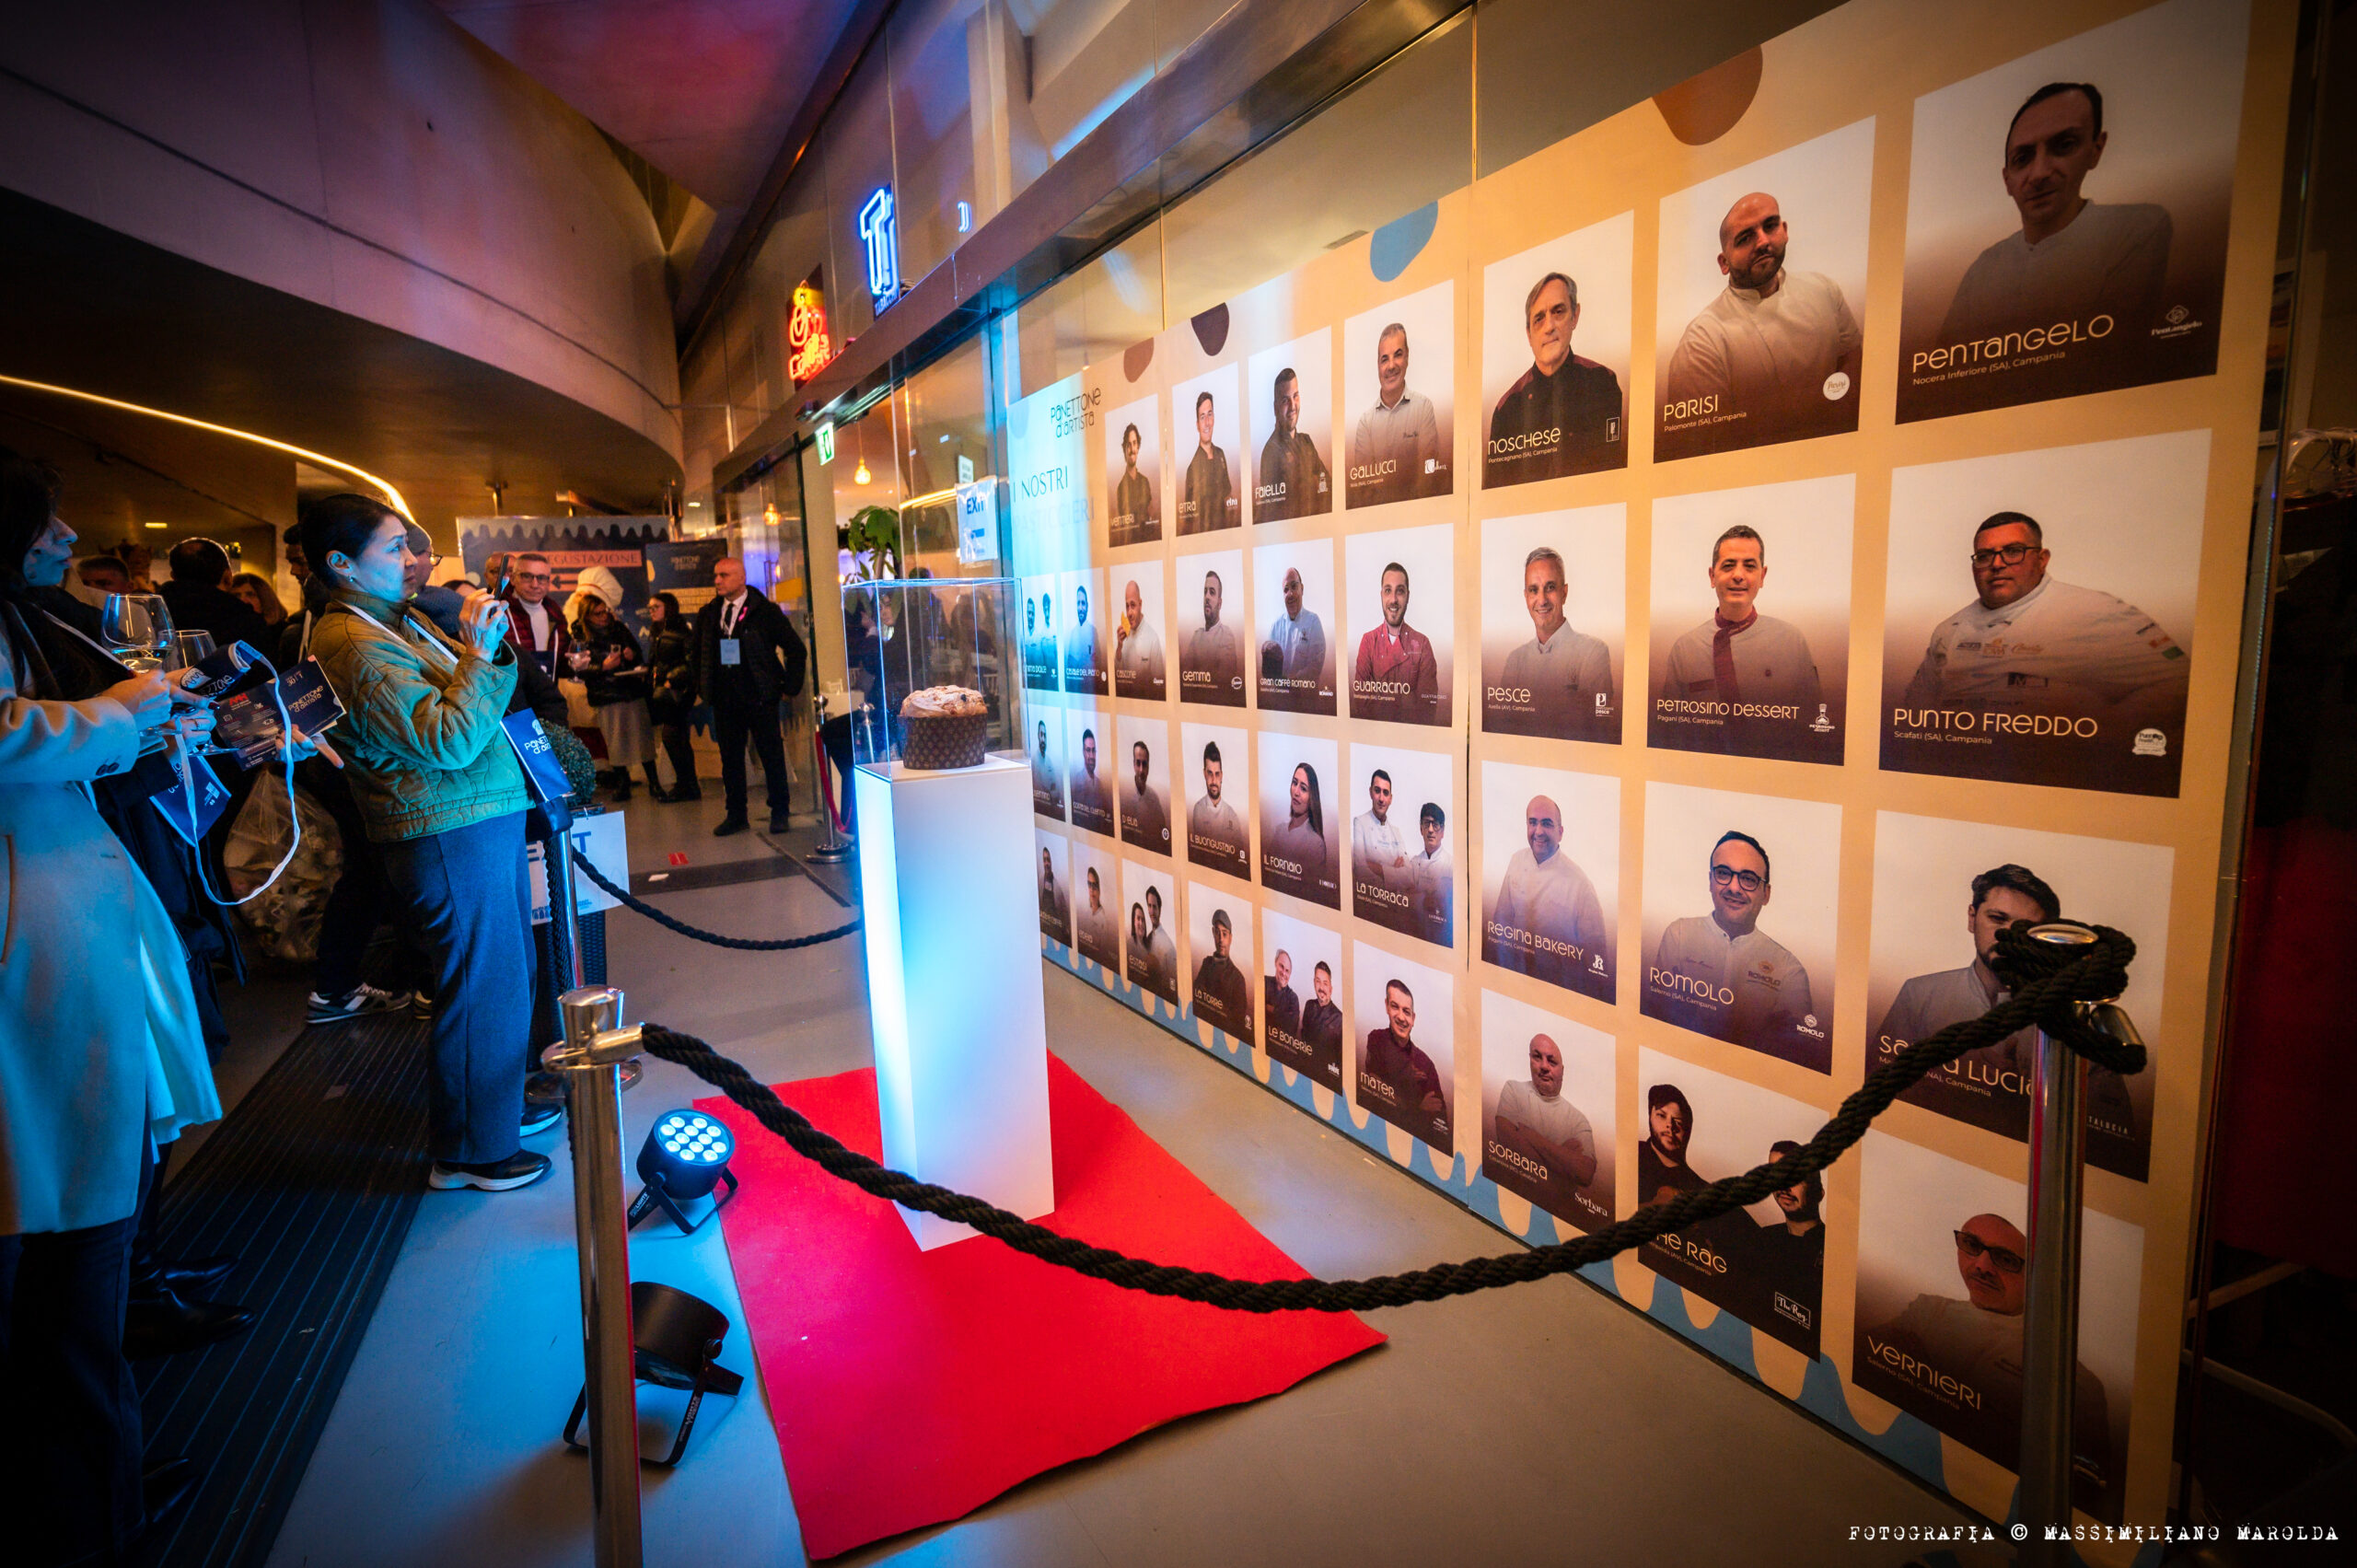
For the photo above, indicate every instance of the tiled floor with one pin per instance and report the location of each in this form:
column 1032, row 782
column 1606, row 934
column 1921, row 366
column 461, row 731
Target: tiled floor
column 1542, row 1425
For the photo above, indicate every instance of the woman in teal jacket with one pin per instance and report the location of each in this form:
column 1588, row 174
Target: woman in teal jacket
column 442, row 797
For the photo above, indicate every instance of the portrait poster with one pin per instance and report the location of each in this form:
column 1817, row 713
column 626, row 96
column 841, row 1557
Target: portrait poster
column 1217, row 764
column 1764, row 1263
column 1212, row 628
column 1141, row 663
column 1219, row 933
column 1150, row 955
column 1740, row 894
column 1143, row 760
column 1403, row 854
column 1055, row 887
column 1555, row 349
column 1293, row 607
column 1550, row 876
column 1302, row 810
column 1548, row 1086
column 1133, row 473
column 1043, row 645
column 1400, row 399
column 1554, row 612
column 1207, row 421
column 1403, row 1028
column 1099, row 922
column 1092, row 751
column 1400, row 596
column 1084, row 616
column 1752, row 620
column 1302, row 1000
column 1760, row 324
column 2068, row 664
column 2071, row 242
column 1943, row 1250
column 1943, row 890
column 1289, row 421
column 1046, row 743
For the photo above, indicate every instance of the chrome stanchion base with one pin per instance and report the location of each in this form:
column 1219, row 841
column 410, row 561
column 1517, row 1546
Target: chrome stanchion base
column 831, row 854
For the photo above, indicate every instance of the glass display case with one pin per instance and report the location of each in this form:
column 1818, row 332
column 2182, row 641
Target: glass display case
column 904, row 634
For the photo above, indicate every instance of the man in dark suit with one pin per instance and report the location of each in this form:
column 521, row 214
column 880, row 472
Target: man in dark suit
column 199, row 597
column 748, row 658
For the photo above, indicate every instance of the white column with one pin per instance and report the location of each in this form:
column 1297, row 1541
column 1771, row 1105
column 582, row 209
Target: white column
column 951, row 922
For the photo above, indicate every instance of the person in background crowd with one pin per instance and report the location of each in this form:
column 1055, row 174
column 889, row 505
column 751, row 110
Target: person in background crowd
column 614, row 667
column 533, row 628
column 671, row 663
column 199, row 597
column 139, row 562
column 442, row 796
column 95, row 576
column 748, row 659
column 256, row 592
column 100, row 1058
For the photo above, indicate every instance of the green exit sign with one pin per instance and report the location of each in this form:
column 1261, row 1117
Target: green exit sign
column 826, row 443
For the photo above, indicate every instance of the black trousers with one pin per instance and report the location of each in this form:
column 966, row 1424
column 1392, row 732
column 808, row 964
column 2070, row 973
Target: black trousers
column 70, row 1440
column 735, row 722
column 359, row 903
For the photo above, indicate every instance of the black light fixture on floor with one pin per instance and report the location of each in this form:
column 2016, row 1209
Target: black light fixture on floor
column 685, row 1156
column 676, row 1343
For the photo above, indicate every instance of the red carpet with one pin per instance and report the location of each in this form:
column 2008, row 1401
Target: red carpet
column 910, row 1387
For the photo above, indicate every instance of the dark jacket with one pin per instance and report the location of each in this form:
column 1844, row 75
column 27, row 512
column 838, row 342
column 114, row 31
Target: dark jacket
column 196, row 607
column 671, row 655
column 770, row 655
column 627, row 680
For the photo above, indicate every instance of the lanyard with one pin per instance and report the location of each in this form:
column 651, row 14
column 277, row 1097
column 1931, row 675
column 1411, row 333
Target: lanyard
column 430, row 644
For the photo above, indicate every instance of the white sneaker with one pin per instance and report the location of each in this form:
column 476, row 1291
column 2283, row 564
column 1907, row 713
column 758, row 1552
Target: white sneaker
column 364, row 999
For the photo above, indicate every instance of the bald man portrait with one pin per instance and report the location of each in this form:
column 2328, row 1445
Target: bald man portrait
column 1547, row 921
column 1957, row 1363
column 1540, row 1144
column 1774, row 357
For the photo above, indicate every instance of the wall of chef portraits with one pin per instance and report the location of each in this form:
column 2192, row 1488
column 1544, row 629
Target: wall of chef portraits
column 1567, row 685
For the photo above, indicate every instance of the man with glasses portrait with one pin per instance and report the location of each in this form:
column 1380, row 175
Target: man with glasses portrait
column 533, row 629
column 1962, row 1360
column 2035, row 643
column 1720, row 975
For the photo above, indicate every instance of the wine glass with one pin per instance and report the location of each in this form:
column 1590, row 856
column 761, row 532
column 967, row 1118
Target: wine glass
column 188, row 647
column 137, row 627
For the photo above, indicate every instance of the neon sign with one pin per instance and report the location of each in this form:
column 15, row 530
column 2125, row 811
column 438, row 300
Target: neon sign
column 876, row 232
column 808, row 346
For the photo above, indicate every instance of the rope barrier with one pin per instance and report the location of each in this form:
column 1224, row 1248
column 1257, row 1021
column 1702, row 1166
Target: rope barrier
column 2045, row 981
column 742, row 944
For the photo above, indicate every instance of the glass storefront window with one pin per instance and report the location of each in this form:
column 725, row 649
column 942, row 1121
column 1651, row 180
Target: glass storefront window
column 1099, row 310
column 932, row 133
column 1400, row 138
column 857, row 152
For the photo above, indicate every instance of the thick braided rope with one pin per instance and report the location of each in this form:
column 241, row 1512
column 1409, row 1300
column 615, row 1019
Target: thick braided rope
column 2046, row 980
column 742, row 944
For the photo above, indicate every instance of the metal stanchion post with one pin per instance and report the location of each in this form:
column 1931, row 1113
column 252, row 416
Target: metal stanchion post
column 589, row 1060
column 2051, row 1296
column 832, row 849
column 563, row 902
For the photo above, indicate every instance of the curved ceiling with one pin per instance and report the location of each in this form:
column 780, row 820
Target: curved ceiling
column 93, row 309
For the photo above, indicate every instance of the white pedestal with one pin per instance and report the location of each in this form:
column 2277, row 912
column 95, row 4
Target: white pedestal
column 951, row 920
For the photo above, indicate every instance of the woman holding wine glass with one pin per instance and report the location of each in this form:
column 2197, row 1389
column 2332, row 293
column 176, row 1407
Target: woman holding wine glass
column 100, row 1055
column 442, row 797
